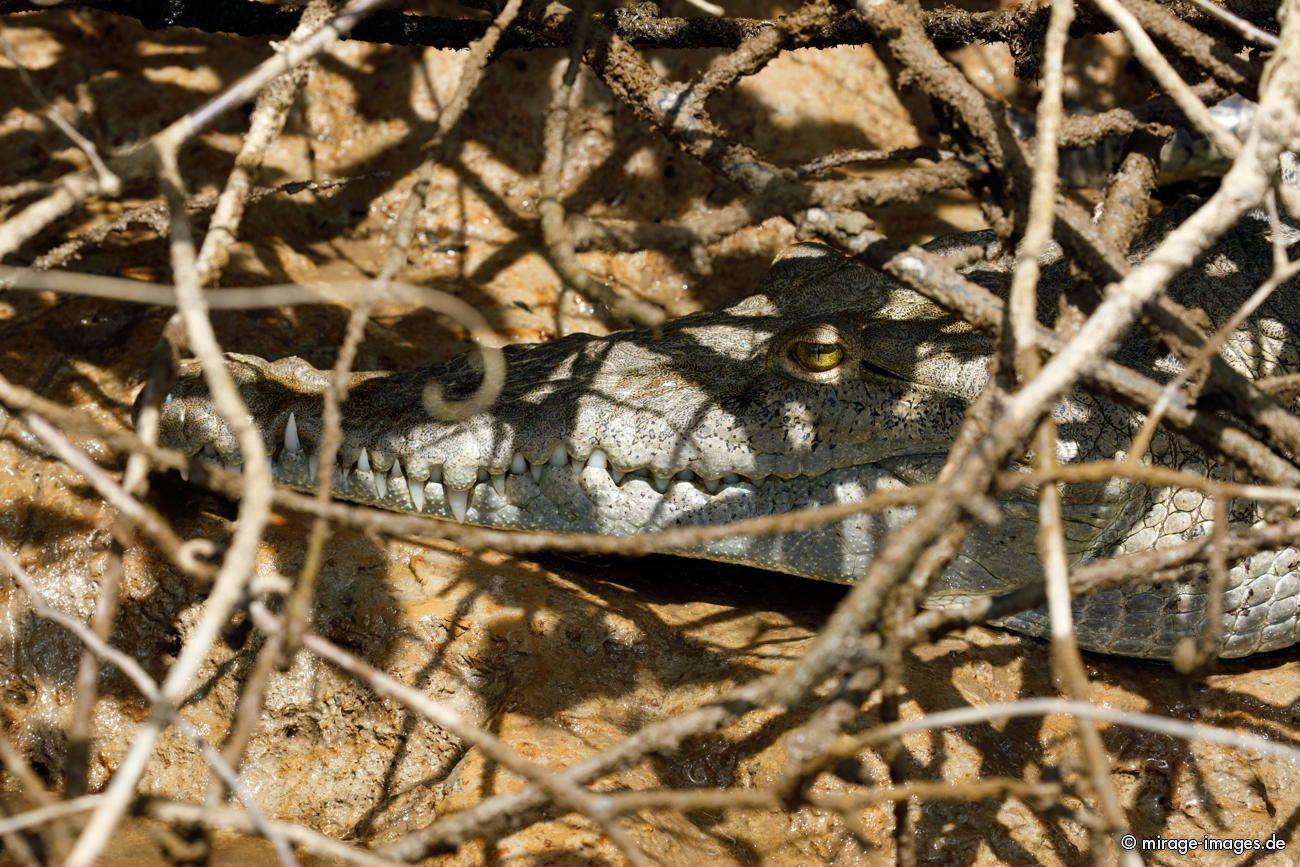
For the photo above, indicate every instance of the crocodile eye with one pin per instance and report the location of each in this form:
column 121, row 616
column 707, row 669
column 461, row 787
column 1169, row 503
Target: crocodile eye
column 817, row 357
column 817, row 352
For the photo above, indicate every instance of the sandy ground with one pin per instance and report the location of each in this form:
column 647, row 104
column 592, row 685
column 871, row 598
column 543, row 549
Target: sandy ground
column 557, row 656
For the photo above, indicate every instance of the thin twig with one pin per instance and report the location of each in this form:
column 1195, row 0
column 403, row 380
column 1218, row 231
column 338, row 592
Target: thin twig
column 264, row 127
column 81, row 726
column 49, row 812
column 233, row 819
column 163, row 706
column 140, row 514
column 1146, row 52
column 564, row 792
column 1194, row 654
column 486, row 341
column 109, row 182
column 236, row 569
column 849, row 745
column 147, row 158
column 550, row 208
column 1208, row 350
column 298, row 606
column 1022, row 309
column 1241, row 25
column 685, row 800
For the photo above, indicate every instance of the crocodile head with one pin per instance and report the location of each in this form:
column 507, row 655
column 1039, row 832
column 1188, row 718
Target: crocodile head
column 826, row 384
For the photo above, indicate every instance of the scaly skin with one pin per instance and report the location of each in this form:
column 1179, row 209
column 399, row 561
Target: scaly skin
column 716, row 420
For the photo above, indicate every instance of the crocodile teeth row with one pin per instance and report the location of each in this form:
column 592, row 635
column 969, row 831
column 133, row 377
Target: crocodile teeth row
column 364, row 473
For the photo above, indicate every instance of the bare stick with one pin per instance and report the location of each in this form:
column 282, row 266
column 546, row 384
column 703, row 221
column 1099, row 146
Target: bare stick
column 154, row 215
column 564, row 792
column 232, row 819
column 1178, row 36
column 945, row 719
column 151, row 691
column 486, row 340
column 1241, row 25
column 110, row 183
column 1193, row 654
column 267, row 121
column 1023, row 307
column 1163, row 72
column 550, row 208
column 1153, row 476
column 756, row 52
column 236, row 569
column 1023, row 304
column 81, row 726
column 34, row 789
column 138, row 513
column 49, row 812
column 1208, row 350
column 768, row 799
column 298, row 606
column 74, row 189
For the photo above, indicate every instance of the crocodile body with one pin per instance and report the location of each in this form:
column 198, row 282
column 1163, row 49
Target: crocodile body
column 728, row 415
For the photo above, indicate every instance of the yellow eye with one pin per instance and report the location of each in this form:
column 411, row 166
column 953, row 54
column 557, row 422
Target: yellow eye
column 817, row 357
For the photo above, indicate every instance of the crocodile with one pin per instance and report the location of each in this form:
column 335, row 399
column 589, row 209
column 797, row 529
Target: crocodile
column 827, row 384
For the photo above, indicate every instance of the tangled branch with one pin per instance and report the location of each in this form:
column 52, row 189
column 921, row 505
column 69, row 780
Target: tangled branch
column 839, row 704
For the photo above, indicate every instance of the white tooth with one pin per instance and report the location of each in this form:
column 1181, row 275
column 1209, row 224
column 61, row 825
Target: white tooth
column 499, row 483
column 731, row 479
column 363, row 462
column 711, row 485
column 291, row 442
column 578, row 466
column 311, row 467
column 661, row 483
column 598, row 459
column 616, row 474
column 459, row 503
column 185, row 473
column 535, row 470
column 559, row 457
column 417, row 494
column 381, row 486
column 518, row 465
column 396, row 481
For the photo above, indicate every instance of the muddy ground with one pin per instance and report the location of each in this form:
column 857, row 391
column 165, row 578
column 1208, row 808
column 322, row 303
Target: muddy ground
column 557, row 656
